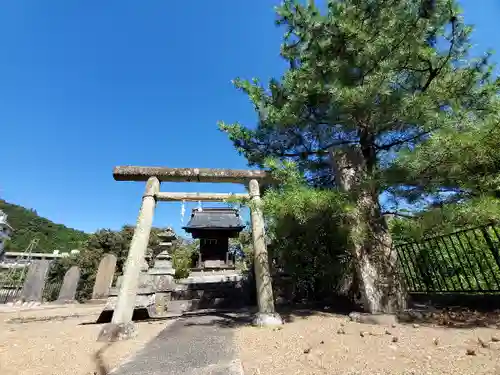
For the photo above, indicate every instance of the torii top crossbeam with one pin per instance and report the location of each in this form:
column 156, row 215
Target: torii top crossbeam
column 164, row 174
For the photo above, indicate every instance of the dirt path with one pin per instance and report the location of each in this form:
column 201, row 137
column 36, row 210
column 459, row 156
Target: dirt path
column 317, row 345
column 55, row 342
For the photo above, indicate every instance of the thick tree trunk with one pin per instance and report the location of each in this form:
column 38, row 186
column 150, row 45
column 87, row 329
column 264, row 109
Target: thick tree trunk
column 376, row 264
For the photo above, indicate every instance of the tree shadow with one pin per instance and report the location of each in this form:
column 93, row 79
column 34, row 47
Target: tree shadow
column 291, row 313
column 219, row 319
column 244, row 317
column 448, row 317
column 452, row 317
column 142, row 319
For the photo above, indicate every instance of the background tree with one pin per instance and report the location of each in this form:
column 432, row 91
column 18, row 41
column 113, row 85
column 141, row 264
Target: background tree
column 183, row 252
column 454, row 176
column 28, row 225
column 308, row 236
column 366, row 80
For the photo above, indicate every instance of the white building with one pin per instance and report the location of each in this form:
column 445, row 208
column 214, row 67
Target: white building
column 5, row 231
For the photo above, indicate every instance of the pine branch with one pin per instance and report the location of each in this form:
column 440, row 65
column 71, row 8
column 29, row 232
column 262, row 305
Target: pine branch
column 388, row 146
column 434, row 72
column 395, row 213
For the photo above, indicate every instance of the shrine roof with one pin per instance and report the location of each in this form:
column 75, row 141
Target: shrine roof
column 215, row 219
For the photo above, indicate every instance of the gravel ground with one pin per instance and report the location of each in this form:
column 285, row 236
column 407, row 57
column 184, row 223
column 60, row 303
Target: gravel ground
column 326, row 344
column 52, row 341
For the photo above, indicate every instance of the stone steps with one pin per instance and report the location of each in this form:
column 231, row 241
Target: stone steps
column 196, row 304
column 210, row 294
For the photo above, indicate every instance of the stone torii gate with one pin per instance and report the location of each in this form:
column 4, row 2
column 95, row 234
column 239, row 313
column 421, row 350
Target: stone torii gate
column 121, row 326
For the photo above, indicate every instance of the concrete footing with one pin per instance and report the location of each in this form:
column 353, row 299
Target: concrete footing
column 267, row 320
column 117, row 332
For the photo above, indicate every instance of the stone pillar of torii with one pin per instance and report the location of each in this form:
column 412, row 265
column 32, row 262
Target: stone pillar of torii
column 121, row 326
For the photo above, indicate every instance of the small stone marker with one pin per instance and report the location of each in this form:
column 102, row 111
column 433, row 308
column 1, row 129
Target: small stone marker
column 35, row 281
column 69, row 286
column 104, row 277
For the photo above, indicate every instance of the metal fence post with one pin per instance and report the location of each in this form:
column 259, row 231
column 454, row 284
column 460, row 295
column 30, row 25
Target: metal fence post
column 494, row 250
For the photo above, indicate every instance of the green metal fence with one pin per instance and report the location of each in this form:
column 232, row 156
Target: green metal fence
column 467, row 261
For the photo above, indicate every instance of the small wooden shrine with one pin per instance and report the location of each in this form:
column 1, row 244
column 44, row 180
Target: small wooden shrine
column 213, row 227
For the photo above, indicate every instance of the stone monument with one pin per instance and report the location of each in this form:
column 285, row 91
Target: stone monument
column 69, row 286
column 104, row 277
column 35, row 281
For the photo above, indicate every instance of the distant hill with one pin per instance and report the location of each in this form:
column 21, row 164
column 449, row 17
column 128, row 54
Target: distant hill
column 28, row 225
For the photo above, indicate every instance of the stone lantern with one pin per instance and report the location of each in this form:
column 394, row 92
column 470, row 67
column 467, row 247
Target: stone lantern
column 162, row 273
column 164, row 260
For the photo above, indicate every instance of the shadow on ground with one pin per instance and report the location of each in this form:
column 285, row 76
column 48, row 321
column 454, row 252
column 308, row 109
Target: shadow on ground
column 101, row 366
column 457, row 318
column 245, row 317
column 452, row 317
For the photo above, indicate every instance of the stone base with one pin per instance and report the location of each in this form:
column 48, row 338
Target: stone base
column 144, row 308
column 202, row 277
column 117, row 332
column 267, row 320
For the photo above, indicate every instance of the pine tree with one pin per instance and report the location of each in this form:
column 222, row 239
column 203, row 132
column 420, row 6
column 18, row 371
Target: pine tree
column 366, row 79
column 453, row 177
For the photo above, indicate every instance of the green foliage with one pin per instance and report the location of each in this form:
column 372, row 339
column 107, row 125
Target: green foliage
column 13, row 276
column 28, row 225
column 182, row 257
column 464, row 162
column 307, row 233
column 245, row 242
column 456, row 174
column 445, row 219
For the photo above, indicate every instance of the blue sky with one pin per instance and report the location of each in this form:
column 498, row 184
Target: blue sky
column 87, row 85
